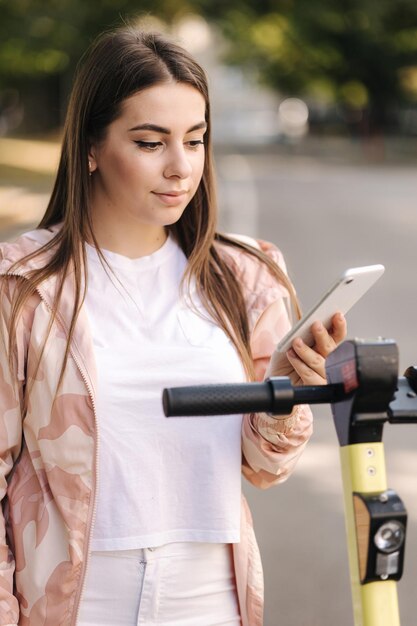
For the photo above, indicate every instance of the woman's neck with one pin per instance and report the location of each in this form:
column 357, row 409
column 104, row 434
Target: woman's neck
column 129, row 238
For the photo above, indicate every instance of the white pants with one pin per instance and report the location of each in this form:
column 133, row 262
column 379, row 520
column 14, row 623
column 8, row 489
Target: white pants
column 179, row 584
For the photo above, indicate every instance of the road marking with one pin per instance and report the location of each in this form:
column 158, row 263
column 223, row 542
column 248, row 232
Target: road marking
column 239, row 197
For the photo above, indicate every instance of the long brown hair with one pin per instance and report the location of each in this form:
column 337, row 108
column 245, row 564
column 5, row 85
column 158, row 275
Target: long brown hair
column 119, row 64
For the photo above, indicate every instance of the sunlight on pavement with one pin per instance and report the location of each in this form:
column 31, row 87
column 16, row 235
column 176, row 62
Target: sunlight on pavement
column 19, row 206
column 35, row 156
column 29, row 166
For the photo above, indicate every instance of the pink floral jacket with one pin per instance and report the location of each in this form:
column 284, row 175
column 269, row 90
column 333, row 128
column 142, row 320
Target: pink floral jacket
column 49, row 454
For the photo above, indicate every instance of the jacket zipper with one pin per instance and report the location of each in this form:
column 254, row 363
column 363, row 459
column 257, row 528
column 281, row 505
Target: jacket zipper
column 96, row 460
column 90, row 526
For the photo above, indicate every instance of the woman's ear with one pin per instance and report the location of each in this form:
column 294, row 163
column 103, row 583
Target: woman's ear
column 92, row 162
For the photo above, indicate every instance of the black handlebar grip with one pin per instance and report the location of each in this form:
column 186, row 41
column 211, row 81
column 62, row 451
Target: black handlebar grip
column 217, row 399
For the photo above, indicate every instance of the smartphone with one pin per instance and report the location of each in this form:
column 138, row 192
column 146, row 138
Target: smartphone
column 341, row 296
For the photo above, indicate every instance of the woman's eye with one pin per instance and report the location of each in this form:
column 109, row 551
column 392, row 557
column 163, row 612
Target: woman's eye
column 195, row 143
column 149, row 145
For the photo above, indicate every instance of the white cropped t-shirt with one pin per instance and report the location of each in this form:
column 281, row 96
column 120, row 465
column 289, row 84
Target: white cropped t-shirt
column 161, row 479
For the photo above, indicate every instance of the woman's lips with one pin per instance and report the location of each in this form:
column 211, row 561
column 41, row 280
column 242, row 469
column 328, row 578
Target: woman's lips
column 171, row 198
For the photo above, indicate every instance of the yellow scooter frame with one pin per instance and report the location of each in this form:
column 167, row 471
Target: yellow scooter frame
column 363, row 471
column 369, row 373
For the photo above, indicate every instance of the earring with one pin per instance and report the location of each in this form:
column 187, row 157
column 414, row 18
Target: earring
column 89, row 168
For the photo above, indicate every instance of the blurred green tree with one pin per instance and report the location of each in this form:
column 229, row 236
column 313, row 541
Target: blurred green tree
column 361, row 54
column 42, row 40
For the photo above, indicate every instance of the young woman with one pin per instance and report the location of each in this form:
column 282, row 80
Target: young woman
column 112, row 513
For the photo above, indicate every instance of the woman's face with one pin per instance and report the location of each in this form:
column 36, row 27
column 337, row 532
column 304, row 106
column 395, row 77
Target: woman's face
column 151, row 161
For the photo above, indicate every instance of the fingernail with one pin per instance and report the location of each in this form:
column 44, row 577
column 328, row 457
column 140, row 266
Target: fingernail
column 298, row 342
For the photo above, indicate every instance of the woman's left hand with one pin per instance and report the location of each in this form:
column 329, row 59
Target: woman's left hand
column 309, row 363
column 305, row 365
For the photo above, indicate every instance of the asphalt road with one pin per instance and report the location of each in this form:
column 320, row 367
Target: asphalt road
column 326, row 214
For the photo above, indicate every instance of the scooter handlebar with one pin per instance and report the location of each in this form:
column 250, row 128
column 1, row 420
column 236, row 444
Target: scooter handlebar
column 275, row 395
column 226, row 399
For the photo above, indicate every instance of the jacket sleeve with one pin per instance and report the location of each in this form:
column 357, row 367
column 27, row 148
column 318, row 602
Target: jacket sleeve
column 271, row 447
column 11, row 403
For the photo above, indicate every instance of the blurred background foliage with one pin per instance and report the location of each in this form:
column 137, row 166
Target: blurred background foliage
column 359, row 56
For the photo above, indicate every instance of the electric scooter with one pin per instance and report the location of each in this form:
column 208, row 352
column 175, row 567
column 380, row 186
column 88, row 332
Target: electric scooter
column 364, row 391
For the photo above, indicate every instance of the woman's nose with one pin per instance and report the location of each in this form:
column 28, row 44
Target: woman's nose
column 178, row 164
